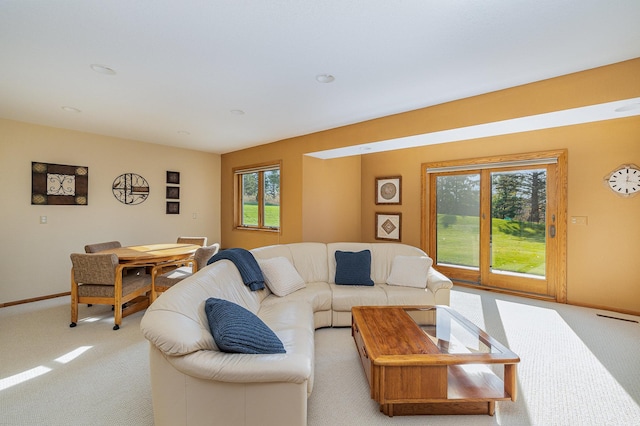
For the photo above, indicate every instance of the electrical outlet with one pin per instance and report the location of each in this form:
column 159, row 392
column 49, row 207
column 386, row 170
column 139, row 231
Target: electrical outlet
column 43, row 220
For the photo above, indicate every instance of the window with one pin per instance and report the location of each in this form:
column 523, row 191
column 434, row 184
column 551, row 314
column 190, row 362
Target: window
column 258, row 197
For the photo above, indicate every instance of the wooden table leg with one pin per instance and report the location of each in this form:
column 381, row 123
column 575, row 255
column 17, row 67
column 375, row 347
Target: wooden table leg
column 510, row 381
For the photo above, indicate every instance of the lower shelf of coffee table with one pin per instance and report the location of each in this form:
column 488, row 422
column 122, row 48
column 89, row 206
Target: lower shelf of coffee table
column 453, row 389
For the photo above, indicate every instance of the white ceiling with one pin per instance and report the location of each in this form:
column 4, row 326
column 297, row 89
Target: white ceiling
column 183, row 66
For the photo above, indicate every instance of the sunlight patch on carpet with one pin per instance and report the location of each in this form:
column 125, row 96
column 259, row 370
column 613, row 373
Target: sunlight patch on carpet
column 16, row 379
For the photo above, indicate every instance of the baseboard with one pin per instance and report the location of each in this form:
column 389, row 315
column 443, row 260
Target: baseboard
column 35, row 299
column 542, row 297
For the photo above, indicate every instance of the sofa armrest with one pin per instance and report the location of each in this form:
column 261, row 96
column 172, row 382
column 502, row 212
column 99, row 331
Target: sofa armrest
column 437, row 280
column 244, row 368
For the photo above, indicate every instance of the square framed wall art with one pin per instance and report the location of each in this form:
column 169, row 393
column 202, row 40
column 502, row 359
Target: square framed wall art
column 388, row 226
column 173, row 192
column 388, row 190
column 173, row 177
column 173, row 207
column 58, row 184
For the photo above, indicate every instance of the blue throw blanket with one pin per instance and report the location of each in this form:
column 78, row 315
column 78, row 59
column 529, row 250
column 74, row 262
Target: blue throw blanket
column 247, row 266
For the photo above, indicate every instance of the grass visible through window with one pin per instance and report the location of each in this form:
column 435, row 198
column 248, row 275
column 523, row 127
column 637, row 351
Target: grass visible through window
column 271, row 213
column 517, row 246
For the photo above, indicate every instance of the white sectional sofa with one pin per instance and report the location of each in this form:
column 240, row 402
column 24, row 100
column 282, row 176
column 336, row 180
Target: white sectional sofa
column 194, row 383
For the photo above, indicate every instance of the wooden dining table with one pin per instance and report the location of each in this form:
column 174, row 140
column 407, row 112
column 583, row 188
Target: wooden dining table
column 153, row 253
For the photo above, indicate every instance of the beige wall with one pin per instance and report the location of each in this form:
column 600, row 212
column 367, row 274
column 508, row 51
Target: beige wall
column 34, row 258
column 331, row 199
column 602, row 256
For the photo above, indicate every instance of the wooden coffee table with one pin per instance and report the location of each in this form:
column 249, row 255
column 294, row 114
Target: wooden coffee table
column 430, row 360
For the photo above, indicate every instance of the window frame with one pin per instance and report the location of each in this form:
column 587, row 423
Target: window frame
column 238, row 174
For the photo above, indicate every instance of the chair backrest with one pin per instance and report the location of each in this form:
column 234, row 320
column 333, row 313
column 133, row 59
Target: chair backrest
column 94, row 268
column 203, row 254
column 200, row 241
column 94, row 248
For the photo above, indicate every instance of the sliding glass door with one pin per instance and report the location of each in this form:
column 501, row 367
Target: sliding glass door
column 496, row 224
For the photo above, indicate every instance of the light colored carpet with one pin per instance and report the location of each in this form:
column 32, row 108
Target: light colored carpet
column 576, row 368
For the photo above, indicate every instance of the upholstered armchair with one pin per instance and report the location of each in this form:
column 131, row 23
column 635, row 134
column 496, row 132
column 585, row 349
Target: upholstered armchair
column 95, row 248
column 99, row 279
column 165, row 275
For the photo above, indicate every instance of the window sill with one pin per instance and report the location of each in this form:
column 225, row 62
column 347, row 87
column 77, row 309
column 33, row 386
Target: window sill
column 248, row 228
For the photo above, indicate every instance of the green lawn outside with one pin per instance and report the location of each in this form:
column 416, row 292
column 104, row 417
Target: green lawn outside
column 272, row 215
column 517, row 247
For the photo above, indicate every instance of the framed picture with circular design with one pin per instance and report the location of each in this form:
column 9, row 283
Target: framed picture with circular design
column 388, row 190
column 388, row 226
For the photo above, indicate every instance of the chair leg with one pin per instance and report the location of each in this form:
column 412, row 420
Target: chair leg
column 74, row 302
column 117, row 313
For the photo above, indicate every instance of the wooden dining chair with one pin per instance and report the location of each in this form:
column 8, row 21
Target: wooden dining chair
column 163, row 277
column 99, row 279
column 199, row 241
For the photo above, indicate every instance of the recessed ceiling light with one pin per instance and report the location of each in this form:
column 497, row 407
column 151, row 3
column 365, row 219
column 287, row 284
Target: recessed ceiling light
column 237, row 112
column 183, row 132
column 70, row 109
column 325, row 78
column 102, row 69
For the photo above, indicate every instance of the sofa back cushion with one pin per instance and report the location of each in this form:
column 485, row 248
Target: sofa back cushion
column 382, row 256
column 309, row 259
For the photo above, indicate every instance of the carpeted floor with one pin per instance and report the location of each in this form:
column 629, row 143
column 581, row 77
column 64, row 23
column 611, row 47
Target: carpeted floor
column 577, row 368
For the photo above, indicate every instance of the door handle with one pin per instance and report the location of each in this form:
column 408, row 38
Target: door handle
column 552, row 231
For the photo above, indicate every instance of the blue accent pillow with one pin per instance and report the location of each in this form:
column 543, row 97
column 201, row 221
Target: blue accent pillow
column 236, row 329
column 353, row 268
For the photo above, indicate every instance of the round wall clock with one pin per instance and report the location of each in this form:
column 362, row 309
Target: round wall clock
column 625, row 180
column 130, row 188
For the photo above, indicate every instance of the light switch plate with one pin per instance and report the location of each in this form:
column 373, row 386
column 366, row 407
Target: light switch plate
column 578, row 220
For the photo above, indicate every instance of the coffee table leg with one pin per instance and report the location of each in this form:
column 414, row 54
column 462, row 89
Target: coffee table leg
column 510, row 381
column 492, row 408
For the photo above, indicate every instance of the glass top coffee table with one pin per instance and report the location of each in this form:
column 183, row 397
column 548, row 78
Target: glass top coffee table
column 431, row 360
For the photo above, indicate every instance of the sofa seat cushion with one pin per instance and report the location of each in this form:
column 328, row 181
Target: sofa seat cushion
column 293, row 323
column 317, row 294
column 236, row 329
column 399, row 295
column 345, row 296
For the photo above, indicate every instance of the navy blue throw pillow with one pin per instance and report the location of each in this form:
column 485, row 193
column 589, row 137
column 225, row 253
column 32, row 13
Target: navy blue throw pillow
column 353, row 268
column 236, row 329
